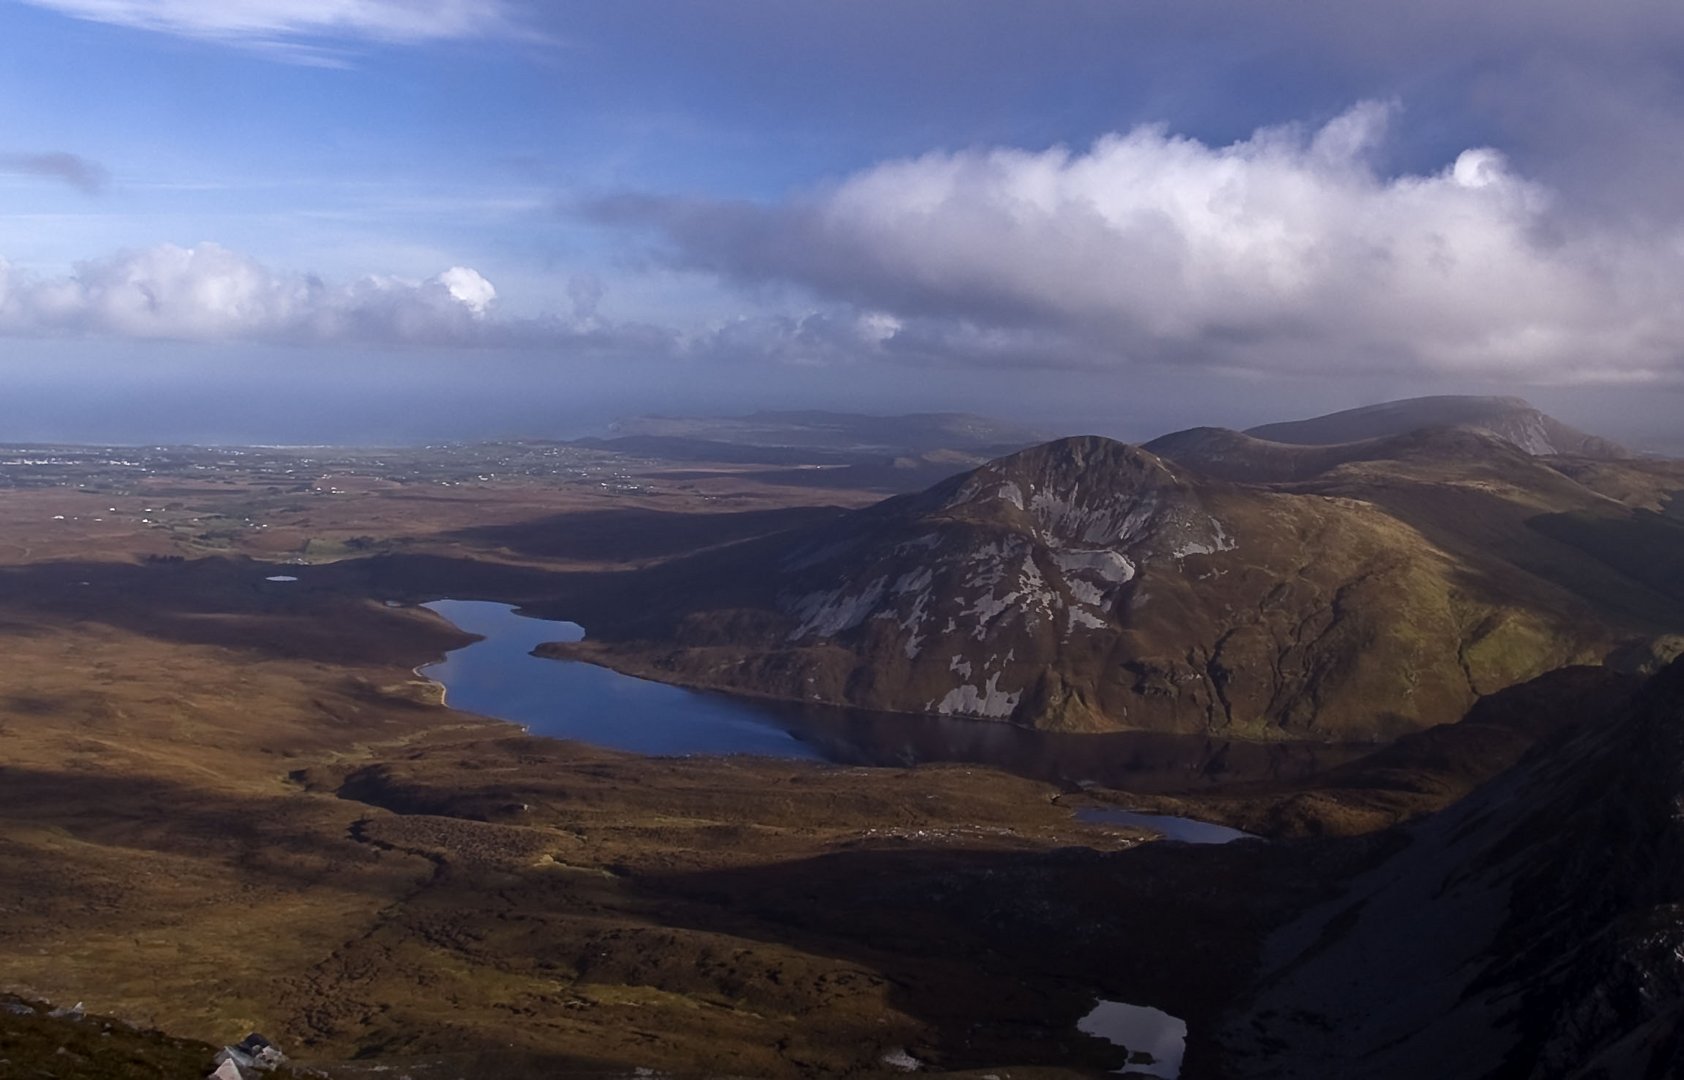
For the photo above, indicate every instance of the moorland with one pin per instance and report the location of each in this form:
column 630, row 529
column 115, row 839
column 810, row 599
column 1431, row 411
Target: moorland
column 229, row 803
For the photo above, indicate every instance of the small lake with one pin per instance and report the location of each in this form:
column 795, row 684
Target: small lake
column 1144, row 1032
column 499, row 677
column 1185, row 830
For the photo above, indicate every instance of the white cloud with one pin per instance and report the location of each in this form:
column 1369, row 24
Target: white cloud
column 1286, row 251
column 469, row 289
column 209, row 293
column 284, row 22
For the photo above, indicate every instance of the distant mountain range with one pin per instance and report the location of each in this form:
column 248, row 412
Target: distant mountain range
column 1210, row 582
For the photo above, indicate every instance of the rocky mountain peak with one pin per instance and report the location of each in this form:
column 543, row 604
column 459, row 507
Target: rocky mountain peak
column 967, row 589
column 1091, row 492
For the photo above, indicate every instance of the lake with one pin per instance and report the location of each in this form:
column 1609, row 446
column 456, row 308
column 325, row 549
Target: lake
column 498, row 677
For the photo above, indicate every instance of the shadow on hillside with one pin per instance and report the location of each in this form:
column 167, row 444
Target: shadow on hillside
column 1644, row 546
column 1508, row 552
column 1002, row 952
column 280, row 840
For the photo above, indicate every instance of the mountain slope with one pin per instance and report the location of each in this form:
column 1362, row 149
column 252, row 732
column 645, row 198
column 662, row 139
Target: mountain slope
column 1535, row 929
column 1089, row 585
column 1510, row 418
column 1610, row 532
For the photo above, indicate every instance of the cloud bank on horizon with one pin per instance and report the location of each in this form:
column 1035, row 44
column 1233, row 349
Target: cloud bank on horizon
column 208, row 293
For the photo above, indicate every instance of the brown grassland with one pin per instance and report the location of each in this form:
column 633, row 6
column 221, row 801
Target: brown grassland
column 227, row 804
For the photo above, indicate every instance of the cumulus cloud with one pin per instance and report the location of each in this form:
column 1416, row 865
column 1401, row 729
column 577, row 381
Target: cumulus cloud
column 86, row 176
column 209, row 293
column 1289, row 250
column 285, row 23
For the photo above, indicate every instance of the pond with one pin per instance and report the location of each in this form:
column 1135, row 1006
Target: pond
column 1185, row 830
column 1155, row 1040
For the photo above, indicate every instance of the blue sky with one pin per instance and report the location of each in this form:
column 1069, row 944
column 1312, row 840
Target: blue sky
column 256, row 219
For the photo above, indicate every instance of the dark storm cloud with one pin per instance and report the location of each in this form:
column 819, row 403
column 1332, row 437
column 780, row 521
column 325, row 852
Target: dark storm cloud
column 86, row 176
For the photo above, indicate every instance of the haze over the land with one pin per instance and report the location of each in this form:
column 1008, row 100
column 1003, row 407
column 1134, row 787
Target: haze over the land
column 399, row 221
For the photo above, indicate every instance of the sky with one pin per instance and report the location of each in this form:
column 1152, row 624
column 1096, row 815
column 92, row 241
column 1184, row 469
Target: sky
column 414, row 220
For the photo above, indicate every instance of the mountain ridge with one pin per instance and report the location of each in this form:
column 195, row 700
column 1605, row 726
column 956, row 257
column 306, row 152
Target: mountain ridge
column 1511, row 418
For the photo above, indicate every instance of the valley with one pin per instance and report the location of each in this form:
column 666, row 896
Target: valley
column 230, row 802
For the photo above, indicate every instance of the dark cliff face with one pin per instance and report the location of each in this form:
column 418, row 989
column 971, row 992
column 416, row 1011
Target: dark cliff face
column 1090, row 585
column 1533, row 930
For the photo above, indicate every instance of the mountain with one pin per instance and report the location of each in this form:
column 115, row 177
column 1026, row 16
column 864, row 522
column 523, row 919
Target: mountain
column 1510, row 418
column 1532, row 930
column 1087, row 585
column 854, row 433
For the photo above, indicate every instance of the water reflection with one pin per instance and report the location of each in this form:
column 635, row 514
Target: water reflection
column 1132, row 760
column 498, row 677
